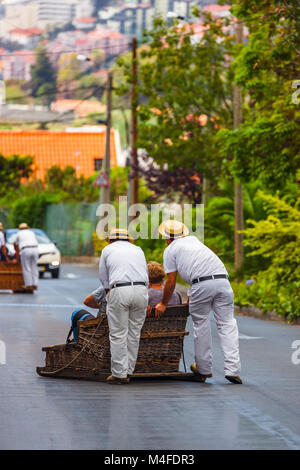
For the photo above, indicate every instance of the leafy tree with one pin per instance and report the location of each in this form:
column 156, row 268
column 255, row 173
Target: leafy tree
column 69, row 68
column 220, row 223
column 31, row 209
column 185, row 93
column 277, row 239
column 267, row 145
column 182, row 183
column 15, row 91
column 90, row 85
column 12, row 170
column 64, row 181
column 43, row 78
column 97, row 57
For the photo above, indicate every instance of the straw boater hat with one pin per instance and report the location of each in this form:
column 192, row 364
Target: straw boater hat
column 23, row 226
column 173, row 229
column 119, row 234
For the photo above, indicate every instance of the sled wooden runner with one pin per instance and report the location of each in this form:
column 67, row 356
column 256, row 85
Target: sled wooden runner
column 11, row 277
column 160, row 350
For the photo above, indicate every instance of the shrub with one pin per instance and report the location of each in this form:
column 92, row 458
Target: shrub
column 31, row 209
column 277, row 238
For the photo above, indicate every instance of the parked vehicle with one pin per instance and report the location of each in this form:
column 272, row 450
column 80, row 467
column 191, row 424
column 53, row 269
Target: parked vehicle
column 49, row 255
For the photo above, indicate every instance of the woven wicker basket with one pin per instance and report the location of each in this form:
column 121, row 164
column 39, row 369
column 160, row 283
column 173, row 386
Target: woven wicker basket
column 11, row 277
column 160, row 350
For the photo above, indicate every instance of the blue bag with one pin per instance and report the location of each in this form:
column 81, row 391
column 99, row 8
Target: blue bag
column 78, row 315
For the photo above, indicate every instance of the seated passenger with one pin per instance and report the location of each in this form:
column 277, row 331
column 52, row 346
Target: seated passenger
column 156, row 287
column 97, row 299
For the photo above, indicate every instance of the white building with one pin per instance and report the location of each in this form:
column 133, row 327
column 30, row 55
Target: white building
column 184, row 7
column 161, row 7
column 42, row 14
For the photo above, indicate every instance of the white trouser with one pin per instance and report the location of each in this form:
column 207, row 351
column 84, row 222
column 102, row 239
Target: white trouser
column 214, row 296
column 126, row 315
column 29, row 258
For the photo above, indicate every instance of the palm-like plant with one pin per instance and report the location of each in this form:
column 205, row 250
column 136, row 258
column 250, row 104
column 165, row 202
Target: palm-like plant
column 219, row 221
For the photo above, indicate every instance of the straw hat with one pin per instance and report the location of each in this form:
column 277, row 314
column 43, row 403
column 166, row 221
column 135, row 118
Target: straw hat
column 23, row 226
column 173, row 229
column 1, row 226
column 119, row 234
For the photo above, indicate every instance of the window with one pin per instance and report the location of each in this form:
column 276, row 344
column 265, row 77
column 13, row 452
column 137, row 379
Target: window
column 97, row 164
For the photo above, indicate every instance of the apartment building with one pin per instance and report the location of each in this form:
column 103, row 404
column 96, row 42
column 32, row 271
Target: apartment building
column 43, row 14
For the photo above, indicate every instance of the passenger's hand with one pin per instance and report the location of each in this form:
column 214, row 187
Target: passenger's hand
column 160, row 310
column 149, row 310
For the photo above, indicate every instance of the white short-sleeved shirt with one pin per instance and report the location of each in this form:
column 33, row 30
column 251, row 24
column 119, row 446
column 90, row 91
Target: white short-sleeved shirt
column 122, row 261
column 191, row 259
column 26, row 238
column 2, row 239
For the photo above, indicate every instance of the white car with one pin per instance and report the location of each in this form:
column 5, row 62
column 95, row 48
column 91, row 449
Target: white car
column 49, row 255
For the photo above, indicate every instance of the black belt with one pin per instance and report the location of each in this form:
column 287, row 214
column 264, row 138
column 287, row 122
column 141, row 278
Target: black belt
column 208, row 278
column 32, row 246
column 123, row 284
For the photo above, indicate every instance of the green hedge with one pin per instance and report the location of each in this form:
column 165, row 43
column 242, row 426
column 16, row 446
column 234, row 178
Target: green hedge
column 31, row 210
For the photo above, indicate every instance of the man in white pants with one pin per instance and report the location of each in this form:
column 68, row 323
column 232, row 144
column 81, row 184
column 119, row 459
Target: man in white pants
column 210, row 291
column 123, row 271
column 27, row 248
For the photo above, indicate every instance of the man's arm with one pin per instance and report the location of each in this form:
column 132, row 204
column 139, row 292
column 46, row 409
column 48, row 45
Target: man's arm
column 17, row 251
column 168, row 291
column 89, row 301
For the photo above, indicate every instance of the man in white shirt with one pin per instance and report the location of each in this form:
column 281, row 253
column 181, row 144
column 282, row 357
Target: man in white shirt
column 210, row 291
column 123, row 271
column 26, row 246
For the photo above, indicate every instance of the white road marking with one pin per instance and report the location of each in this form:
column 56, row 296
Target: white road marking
column 241, row 336
column 72, row 276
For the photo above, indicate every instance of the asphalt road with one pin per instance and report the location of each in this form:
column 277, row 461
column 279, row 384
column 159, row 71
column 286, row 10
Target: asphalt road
column 46, row 413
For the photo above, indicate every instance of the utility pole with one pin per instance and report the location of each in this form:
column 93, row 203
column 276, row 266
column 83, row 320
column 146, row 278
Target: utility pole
column 134, row 179
column 105, row 190
column 238, row 189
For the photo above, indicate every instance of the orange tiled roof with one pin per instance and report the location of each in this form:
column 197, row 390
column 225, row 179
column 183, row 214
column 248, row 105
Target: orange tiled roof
column 86, row 20
column 78, row 149
column 27, row 32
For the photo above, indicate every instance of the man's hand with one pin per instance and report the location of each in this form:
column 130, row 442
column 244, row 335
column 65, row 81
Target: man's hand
column 160, row 310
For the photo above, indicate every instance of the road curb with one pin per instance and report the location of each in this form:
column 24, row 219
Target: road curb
column 254, row 312
column 91, row 260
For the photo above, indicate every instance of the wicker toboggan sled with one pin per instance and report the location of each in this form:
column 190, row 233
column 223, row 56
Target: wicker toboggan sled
column 11, row 277
column 161, row 348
